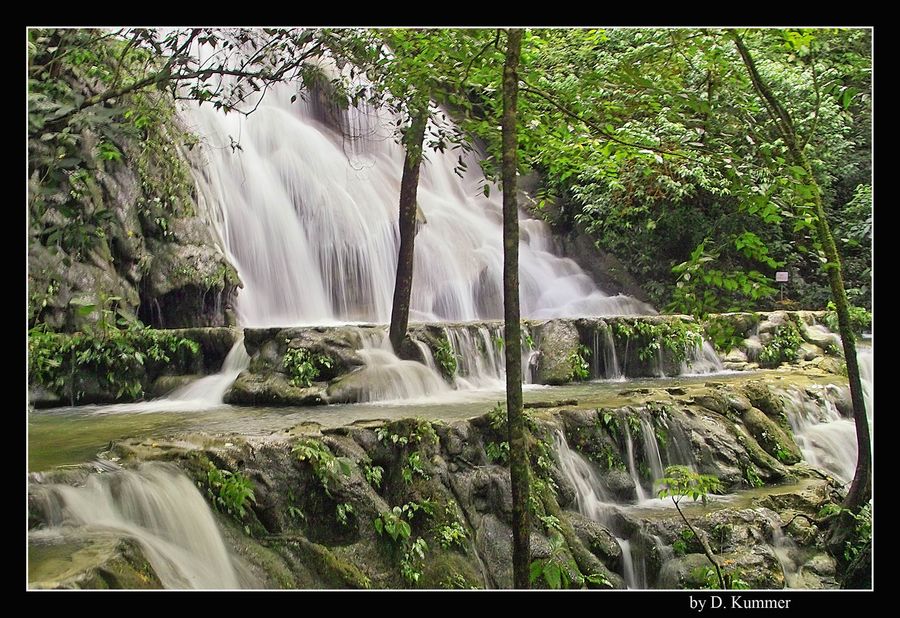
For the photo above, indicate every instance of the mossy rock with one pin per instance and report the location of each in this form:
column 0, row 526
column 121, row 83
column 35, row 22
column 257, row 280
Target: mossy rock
column 775, row 441
column 272, row 389
column 100, row 561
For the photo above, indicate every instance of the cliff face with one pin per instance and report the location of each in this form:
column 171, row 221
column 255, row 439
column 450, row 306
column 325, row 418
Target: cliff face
column 113, row 219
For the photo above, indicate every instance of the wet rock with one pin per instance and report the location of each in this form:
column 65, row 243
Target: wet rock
column 557, row 341
column 271, row 389
column 597, row 539
column 95, row 561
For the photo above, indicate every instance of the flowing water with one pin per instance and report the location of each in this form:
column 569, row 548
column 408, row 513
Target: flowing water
column 158, row 507
column 308, row 216
column 826, row 437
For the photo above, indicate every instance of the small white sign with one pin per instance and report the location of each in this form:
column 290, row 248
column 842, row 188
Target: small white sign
column 781, row 276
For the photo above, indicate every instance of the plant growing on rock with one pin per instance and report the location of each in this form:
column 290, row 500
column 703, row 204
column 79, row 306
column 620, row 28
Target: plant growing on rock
column 325, row 465
column 231, row 491
column 581, row 369
column 446, row 357
column 304, row 366
column 783, row 347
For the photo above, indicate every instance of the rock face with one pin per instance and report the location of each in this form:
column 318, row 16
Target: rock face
column 155, row 252
column 559, row 346
column 348, row 507
column 98, row 561
column 558, row 341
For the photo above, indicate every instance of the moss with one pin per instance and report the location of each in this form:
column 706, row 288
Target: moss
column 335, row 572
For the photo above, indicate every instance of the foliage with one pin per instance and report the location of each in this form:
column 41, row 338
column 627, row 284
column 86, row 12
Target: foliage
column 396, row 525
column 733, row 580
column 581, row 369
column 452, row 535
column 681, row 482
column 343, row 512
column 446, row 358
column 498, row 452
column 684, row 542
column 413, row 467
column 860, row 318
column 373, row 474
column 676, row 336
column 325, row 466
column 231, row 491
column 420, row 432
column 304, row 366
column 119, row 358
column 722, row 333
column 751, row 476
column 783, row 347
column 559, row 571
column 861, row 537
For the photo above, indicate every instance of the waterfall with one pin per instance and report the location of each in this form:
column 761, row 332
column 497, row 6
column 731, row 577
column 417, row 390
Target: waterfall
column 308, row 216
column 594, row 504
column 201, row 394
column 387, row 377
column 703, row 359
column 827, row 438
column 157, row 506
column 632, row 466
column 211, row 389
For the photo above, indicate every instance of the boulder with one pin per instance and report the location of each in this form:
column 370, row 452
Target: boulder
column 557, row 341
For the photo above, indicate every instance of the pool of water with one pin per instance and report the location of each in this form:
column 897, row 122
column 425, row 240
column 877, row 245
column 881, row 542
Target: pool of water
column 73, row 435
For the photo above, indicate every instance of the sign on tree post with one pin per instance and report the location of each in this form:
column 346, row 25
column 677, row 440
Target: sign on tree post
column 781, row 277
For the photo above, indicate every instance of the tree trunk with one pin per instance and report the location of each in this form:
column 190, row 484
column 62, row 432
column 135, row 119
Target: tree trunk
column 409, row 186
column 518, row 453
column 860, row 489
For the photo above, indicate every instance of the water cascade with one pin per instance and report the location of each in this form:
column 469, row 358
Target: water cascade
column 202, row 394
column 826, row 437
column 158, row 507
column 592, row 502
column 308, row 217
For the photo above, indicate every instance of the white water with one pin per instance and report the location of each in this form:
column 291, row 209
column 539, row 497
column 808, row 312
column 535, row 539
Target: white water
column 309, row 218
column 611, row 369
column 594, row 504
column 202, row 394
column 826, row 438
column 157, row 506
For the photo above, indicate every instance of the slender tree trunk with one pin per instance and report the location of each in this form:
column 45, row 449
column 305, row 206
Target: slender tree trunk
column 409, row 186
column 512, row 328
column 860, row 489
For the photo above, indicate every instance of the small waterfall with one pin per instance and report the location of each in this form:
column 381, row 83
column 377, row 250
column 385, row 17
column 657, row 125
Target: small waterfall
column 157, row 506
column 389, row 378
column 480, row 361
column 605, row 349
column 211, row 389
column 202, row 394
column 632, row 467
column 651, row 451
column 703, row 359
column 826, row 438
column 594, row 504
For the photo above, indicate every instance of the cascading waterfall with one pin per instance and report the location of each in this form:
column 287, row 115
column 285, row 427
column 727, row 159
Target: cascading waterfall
column 480, row 356
column 308, row 217
column 702, row 359
column 827, row 438
column 211, row 389
column 157, row 506
column 592, row 502
column 389, row 378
